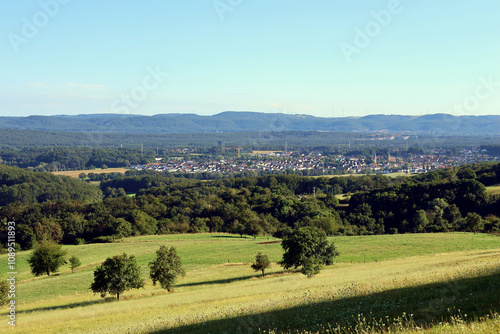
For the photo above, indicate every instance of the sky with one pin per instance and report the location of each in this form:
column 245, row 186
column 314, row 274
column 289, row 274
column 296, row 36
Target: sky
column 326, row 58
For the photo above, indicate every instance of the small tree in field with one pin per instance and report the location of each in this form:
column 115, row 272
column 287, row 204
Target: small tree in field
column 166, row 267
column 116, row 275
column 47, row 257
column 74, row 262
column 261, row 263
column 307, row 247
column 474, row 222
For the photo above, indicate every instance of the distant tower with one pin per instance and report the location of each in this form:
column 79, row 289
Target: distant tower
column 239, row 153
column 286, row 146
column 375, row 159
column 388, row 158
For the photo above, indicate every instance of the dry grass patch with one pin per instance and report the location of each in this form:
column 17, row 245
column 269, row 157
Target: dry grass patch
column 76, row 173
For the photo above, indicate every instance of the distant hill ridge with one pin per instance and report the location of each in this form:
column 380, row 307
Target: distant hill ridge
column 231, row 121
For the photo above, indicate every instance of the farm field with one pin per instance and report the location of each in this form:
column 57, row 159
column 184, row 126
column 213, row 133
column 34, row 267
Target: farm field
column 495, row 190
column 432, row 277
column 76, row 173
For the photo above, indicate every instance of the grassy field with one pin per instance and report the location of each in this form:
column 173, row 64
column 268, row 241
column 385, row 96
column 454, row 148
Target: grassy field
column 495, row 190
column 431, row 276
column 76, row 173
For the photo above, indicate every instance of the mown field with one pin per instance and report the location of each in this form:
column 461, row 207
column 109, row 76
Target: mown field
column 409, row 282
column 76, row 173
column 495, row 190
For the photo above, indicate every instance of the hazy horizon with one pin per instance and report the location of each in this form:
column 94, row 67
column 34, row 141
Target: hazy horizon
column 244, row 111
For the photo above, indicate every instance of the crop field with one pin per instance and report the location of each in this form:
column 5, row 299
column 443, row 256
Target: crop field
column 440, row 283
column 76, row 173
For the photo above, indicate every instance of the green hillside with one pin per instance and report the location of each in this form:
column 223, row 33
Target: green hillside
column 25, row 186
column 386, row 275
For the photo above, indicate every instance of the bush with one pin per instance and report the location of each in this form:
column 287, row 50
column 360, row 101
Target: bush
column 105, row 239
column 4, row 291
column 79, row 241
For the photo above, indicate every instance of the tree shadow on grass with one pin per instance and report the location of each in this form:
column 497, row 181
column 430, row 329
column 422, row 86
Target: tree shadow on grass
column 230, row 237
column 68, row 306
column 221, row 281
column 240, row 278
column 422, row 306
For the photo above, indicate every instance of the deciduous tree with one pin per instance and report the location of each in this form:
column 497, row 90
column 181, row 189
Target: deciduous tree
column 261, row 263
column 474, row 222
column 116, row 275
column 307, row 247
column 166, row 267
column 47, row 257
column 74, row 262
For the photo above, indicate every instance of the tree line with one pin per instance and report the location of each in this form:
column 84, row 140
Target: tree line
column 274, row 205
column 263, row 140
column 50, row 159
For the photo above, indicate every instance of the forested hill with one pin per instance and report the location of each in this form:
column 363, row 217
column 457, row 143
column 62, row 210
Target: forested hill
column 453, row 199
column 254, row 121
column 24, row 186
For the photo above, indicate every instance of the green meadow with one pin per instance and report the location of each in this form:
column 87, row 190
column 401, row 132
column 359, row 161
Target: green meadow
column 438, row 283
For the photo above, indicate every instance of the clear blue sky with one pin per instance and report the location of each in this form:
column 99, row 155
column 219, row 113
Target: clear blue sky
column 289, row 56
